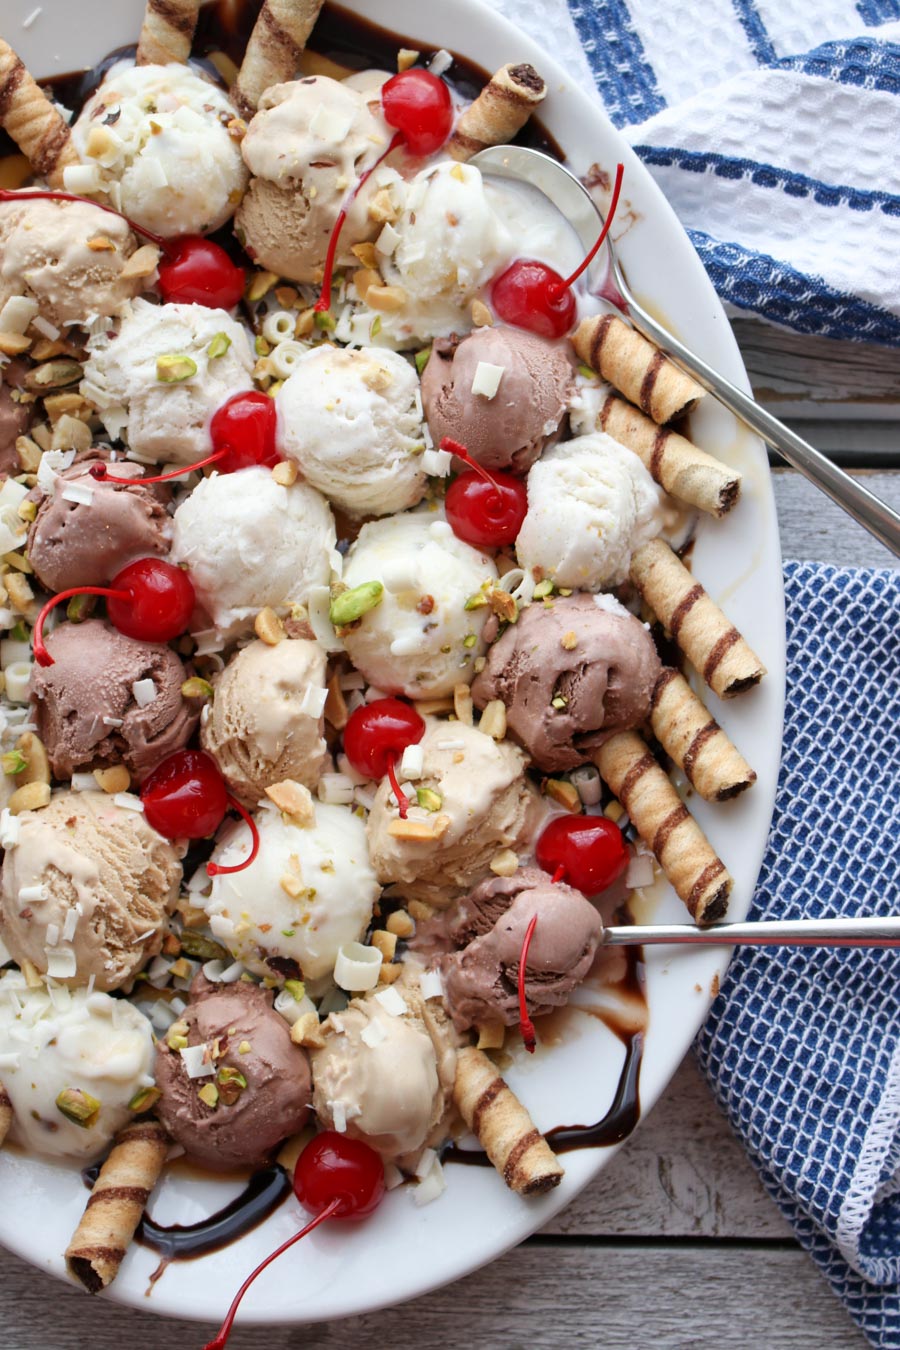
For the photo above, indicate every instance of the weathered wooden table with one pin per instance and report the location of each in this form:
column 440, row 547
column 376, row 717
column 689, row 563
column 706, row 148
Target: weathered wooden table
column 676, row 1244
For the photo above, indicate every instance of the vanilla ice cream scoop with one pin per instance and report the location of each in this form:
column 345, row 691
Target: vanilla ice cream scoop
column 249, row 542
column 265, row 721
column 591, row 504
column 481, row 803
column 420, row 640
column 69, row 258
column 72, row 1061
column 353, row 422
column 161, row 139
column 156, row 384
column 306, row 148
column 310, row 889
column 87, row 887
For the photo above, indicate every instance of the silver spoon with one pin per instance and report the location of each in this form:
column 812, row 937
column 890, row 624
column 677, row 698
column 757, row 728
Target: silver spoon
column 576, row 204
column 764, row 933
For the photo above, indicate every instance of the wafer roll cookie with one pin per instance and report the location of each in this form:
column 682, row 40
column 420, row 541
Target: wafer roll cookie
column 167, row 31
column 707, row 637
column 503, row 1127
column 501, row 109
column 674, row 462
column 695, row 740
column 32, row 121
column 635, row 367
column 116, row 1204
column 6, row 1114
column 273, row 52
column 661, row 818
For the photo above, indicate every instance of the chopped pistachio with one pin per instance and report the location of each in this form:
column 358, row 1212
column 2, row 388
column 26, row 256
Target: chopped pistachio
column 587, row 372
column 351, row 605
column 143, row 1099
column 209, row 1095
column 422, row 359
column 428, row 799
column 200, row 947
column 244, row 1048
column 80, row 607
column 542, row 589
column 219, row 346
column 476, row 601
column 559, row 702
column 196, row 688
column 13, row 763
column 176, row 1036
column 260, row 284
column 26, row 510
column 296, row 989
column 229, row 1075
column 375, row 327
column 325, row 320
column 261, row 347
column 53, row 374
column 469, row 640
column 78, row 1106
column 173, row 367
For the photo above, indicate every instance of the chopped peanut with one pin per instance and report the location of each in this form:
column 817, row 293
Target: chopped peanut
column 387, row 299
column 505, row 863
column 268, row 627
column 142, row 262
column 390, row 972
column 563, row 793
column 367, row 255
column 420, row 911
column 365, row 279
column 400, row 924
column 385, row 942
column 481, row 315
column 569, row 641
column 285, row 473
column 406, row 57
column 294, row 800
column 462, row 704
column 336, row 710
column 381, row 208
column 491, row 1036
column 31, row 797
column 37, row 765
column 306, row 1031
column 116, row 779
column 493, row 719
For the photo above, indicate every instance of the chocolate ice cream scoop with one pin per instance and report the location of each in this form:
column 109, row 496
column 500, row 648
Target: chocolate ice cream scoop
column 86, row 542
column 86, row 707
column 570, row 676
column 252, row 1086
column 510, row 428
column 480, row 981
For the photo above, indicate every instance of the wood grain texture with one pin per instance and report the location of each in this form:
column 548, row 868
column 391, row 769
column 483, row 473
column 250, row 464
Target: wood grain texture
column 813, row 528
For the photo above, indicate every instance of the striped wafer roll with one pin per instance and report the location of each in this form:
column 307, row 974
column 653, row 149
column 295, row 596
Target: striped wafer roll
column 635, row 367
column 501, row 109
column 167, row 31
column 696, row 742
column 709, row 640
column 6, row 1114
column 661, row 818
column 116, row 1204
column 32, row 121
column 273, row 52
column 674, row 462
column 503, row 1127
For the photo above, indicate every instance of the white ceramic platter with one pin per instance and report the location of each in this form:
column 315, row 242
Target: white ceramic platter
column 403, row 1251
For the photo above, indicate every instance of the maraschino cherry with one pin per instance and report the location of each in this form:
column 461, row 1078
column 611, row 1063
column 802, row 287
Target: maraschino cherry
column 243, row 436
column 149, row 599
column 526, row 1026
column 418, row 104
column 587, row 851
column 531, row 295
column 376, row 734
column 185, row 797
column 335, row 1178
column 484, row 509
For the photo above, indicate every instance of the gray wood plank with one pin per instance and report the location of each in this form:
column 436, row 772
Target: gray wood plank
column 813, row 528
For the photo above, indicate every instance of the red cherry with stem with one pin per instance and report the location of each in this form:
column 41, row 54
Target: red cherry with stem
column 531, row 295
column 185, row 797
column 485, row 509
column 418, row 104
column 243, row 434
column 525, row 1023
column 376, row 734
column 335, row 1178
column 590, row 850
column 197, row 271
column 149, row 599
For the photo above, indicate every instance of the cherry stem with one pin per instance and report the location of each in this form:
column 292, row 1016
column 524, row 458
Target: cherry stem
column 32, row 194
column 324, row 301
column 454, row 448
column 218, row 1343
column 525, row 1023
column 217, row 870
column 41, row 655
column 562, row 286
column 102, row 474
column 402, row 799
column 558, row 875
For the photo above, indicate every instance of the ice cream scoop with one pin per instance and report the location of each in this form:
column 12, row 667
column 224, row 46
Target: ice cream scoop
column 502, row 392
column 309, row 891
column 15, row 420
column 420, row 640
column 480, row 980
column 591, row 504
column 160, row 379
column 109, row 699
column 69, row 258
column 86, row 889
column 163, row 141
column 249, row 543
column 233, row 1084
column 478, row 802
column 265, row 721
column 570, row 676
column 306, row 148
column 72, row 1063
column 353, row 422
column 85, row 531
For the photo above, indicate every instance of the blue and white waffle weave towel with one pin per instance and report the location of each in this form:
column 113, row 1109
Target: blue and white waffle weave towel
column 772, row 127
column 802, row 1046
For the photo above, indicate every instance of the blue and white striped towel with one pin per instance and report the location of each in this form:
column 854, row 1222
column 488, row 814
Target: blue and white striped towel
column 772, row 127
column 802, row 1046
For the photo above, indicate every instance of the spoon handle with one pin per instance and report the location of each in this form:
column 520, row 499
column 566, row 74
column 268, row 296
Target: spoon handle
column 864, row 506
column 765, row 933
